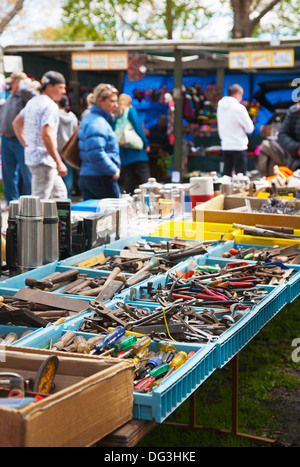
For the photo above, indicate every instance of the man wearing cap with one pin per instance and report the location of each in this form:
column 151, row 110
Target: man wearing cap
column 16, row 175
column 36, row 127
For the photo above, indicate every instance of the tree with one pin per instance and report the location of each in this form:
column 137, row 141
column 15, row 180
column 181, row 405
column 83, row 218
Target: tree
column 131, row 19
column 9, row 9
column 247, row 15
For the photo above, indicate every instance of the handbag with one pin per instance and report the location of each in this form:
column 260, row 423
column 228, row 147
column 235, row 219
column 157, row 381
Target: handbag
column 126, row 135
column 70, row 150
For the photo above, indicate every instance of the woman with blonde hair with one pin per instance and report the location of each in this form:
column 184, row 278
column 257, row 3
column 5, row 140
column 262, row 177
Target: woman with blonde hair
column 135, row 162
column 98, row 147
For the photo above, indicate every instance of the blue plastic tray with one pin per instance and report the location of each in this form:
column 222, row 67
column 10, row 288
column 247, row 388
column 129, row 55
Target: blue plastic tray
column 164, row 399
column 19, row 330
column 13, row 284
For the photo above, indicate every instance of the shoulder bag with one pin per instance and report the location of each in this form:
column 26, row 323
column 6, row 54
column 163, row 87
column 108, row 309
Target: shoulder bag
column 70, row 151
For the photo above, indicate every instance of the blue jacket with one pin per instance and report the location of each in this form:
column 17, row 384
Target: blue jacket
column 130, row 156
column 98, row 145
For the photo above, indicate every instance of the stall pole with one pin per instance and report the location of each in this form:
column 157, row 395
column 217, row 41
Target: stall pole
column 178, row 111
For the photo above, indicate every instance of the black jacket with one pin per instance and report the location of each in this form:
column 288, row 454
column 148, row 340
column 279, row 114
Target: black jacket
column 289, row 131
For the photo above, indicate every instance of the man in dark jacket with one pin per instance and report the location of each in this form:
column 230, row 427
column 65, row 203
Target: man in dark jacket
column 289, row 136
column 12, row 152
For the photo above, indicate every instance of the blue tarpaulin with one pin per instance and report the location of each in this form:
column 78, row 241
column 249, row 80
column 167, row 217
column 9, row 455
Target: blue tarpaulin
column 149, row 112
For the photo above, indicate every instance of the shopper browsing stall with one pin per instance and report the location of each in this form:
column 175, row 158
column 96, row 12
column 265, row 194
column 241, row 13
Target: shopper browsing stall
column 234, row 123
column 98, row 147
column 36, row 128
column 16, row 176
column 134, row 148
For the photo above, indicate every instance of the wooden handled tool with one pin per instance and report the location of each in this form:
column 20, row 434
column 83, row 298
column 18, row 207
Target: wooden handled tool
column 65, row 276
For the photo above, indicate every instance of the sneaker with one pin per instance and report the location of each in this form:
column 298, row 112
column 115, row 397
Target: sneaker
column 5, row 209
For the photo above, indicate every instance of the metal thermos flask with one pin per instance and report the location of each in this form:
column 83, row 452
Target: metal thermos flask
column 50, row 231
column 29, row 233
column 11, row 235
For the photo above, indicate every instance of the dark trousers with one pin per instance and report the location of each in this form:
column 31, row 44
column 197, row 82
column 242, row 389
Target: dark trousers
column 234, row 161
column 135, row 174
column 98, row 187
column 13, row 166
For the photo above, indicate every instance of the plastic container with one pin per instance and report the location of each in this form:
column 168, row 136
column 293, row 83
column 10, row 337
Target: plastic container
column 196, row 230
column 201, row 190
column 163, row 399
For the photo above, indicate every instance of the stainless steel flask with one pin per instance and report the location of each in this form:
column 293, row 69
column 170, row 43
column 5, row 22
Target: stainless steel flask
column 50, row 231
column 29, row 233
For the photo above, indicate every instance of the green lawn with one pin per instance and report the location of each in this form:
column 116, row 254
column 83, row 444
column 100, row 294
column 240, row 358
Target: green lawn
column 265, row 369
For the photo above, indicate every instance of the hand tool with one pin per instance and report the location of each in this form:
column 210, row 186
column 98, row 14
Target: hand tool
column 20, row 317
column 9, row 339
column 264, row 232
column 109, row 340
column 55, row 301
column 103, row 311
column 65, row 276
column 65, row 340
column 152, row 376
column 124, row 343
column 150, row 265
column 42, row 383
column 16, row 383
column 114, row 287
column 45, row 375
column 81, row 345
column 80, row 279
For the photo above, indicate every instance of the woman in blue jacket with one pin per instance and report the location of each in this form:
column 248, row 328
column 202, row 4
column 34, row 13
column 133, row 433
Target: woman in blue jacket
column 98, row 147
column 135, row 162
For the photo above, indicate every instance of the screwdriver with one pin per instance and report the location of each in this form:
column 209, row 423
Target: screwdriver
column 150, row 365
column 81, row 345
column 141, row 343
column 65, row 340
column 166, row 357
column 124, row 343
column 152, row 376
column 109, row 340
column 179, row 359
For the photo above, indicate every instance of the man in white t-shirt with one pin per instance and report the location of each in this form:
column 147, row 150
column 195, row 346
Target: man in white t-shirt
column 36, row 128
column 234, row 123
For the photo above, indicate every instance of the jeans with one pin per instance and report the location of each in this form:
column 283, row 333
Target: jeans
column 235, row 161
column 13, row 166
column 98, row 187
column 132, row 172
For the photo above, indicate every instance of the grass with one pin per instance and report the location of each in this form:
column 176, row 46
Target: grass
column 265, row 368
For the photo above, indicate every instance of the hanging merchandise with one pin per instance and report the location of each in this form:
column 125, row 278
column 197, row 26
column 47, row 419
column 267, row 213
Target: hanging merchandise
column 136, row 67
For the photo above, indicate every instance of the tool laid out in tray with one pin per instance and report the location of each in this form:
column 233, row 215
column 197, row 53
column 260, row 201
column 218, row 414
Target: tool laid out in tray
column 151, row 366
column 179, row 319
column 289, row 254
column 210, row 285
column 133, row 257
column 36, row 308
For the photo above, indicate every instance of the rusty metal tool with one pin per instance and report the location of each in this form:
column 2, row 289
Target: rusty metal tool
column 65, row 276
column 102, row 310
column 50, row 299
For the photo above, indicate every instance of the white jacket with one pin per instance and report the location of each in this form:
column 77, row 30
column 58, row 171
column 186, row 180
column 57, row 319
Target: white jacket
column 233, row 124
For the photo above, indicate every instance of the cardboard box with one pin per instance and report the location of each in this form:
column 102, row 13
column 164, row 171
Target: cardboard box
column 93, row 396
column 217, row 210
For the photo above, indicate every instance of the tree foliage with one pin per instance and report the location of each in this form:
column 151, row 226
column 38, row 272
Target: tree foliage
column 9, row 9
column 132, row 19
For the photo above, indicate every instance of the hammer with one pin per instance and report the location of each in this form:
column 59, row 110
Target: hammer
column 48, row 284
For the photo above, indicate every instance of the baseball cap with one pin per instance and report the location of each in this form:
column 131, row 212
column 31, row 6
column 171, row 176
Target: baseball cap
column 15, row 76
column 53, row 77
